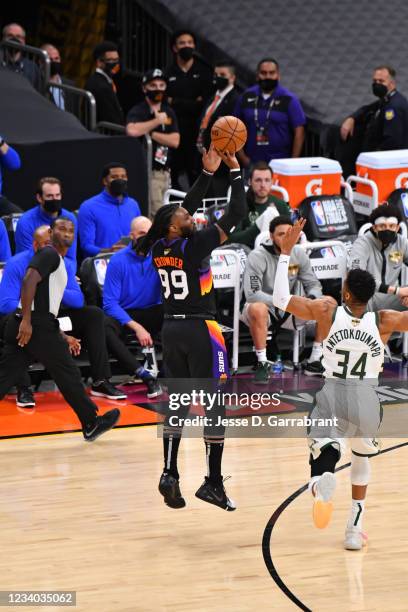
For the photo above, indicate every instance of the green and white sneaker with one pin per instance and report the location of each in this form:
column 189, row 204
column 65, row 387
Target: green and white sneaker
column 262, row 372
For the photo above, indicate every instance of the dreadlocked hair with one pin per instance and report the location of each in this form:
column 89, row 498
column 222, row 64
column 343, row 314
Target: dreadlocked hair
column 159, row 228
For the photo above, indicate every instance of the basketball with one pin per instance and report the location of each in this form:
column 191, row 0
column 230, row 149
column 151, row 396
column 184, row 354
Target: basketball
column 228, row 134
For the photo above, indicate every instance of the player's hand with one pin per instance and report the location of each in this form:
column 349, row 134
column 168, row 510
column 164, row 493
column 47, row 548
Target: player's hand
column 24, row 333
column 347, row 128
column 229, row 159
column 74, row 345
column 292, row 236
column 211, row 159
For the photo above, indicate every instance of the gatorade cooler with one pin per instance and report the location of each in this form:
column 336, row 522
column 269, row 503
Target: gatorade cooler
column 388, row 170
column 306, row 176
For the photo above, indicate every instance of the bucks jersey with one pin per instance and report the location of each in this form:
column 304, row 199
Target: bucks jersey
column 353, row 348
column 184, row 268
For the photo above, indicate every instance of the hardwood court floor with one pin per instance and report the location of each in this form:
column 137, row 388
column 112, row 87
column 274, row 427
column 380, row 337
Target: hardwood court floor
column 88, row 517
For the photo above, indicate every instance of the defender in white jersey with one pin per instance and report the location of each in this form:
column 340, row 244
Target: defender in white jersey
column 353, row 355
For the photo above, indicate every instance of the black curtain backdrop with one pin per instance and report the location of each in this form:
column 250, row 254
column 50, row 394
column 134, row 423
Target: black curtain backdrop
column 52, row 142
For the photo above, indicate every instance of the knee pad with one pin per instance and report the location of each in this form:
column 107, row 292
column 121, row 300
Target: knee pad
column 360, row 470
column 325, row 462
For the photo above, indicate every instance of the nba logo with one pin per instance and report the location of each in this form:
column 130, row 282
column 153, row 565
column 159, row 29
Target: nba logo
column 404, row 200
column 318, row 212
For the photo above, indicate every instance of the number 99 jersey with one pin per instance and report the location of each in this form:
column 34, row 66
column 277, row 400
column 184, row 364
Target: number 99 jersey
column 353, row 348
column 185, row 273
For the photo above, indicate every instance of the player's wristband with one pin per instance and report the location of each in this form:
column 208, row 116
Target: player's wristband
column 208, row 173
column 397, row 290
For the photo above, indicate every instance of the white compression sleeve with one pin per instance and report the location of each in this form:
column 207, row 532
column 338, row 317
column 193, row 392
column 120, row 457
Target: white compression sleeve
column 281, row 292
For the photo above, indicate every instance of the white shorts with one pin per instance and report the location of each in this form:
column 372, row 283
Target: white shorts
column 358, row 412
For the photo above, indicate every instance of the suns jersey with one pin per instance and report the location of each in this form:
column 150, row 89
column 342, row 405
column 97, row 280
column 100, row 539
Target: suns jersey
column 353, row 348
column 184, row 268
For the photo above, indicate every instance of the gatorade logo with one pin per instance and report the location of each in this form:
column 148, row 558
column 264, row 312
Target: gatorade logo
column 401, row 182
column 314, row 187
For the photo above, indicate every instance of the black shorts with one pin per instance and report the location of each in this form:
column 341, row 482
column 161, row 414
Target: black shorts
column 194, row 348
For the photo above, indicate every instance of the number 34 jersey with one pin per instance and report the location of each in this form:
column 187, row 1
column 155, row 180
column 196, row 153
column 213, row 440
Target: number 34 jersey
column 353, row 348
column 185, row 273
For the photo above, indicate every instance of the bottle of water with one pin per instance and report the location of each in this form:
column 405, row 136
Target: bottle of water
column 278, row 365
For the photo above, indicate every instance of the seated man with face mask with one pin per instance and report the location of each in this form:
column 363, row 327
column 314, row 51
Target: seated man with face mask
column 382, row 251
column 49, row 199
column 104, row 220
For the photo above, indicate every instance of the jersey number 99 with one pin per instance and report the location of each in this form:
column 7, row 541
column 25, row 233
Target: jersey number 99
column 174, row 284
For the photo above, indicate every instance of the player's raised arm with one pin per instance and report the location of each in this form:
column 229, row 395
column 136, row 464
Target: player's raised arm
column 237, row 207
column 301, row 307
column 194, row 198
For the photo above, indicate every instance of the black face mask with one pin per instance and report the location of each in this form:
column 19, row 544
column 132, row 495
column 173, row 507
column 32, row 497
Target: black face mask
column 379, row 90
column 220, row 83
column 268, row 85
column 186, row 53
column 387, row 237
column 155, row 95
column 52, row 206
column 118, row 187
column 112, row 68
column 55, row 68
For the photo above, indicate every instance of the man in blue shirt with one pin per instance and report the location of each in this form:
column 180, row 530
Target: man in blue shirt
column 273, row 117
column 9, row 159
column 132, row 302
column 49, row 198
column 88, row 322
column 105, row 219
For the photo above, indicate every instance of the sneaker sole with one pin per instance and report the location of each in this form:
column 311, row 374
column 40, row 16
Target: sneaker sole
column 260, row 382
column 111, row 397
column 155, row 394
column 21, row 405
column 323, row 508
column 104, row 431
column 170, row 501
column 308, row 373
column 215, row 503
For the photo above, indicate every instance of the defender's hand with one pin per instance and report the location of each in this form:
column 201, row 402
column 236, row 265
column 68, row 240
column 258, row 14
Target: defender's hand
column 292, row 236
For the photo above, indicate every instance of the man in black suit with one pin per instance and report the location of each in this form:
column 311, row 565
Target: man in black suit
column 220, row 104
column 102, row 85
column 64, row 100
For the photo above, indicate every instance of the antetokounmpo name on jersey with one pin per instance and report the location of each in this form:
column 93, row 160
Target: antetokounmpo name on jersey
column 174, row 262
column 354, row 334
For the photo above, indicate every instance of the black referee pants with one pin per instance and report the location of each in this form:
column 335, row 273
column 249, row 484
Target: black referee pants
column 88, row 324
column 48, row 346
column 24, row 379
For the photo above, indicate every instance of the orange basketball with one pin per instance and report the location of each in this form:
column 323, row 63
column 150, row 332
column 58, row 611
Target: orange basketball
column 228, row 134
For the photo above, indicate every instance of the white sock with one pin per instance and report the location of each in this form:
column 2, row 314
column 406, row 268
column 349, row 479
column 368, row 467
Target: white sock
column 261, row 355
column 317, row 352
column 356, row 513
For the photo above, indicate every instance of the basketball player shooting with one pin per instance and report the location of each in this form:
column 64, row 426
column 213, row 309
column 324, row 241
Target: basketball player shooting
column 193, row 344
column 353, row 356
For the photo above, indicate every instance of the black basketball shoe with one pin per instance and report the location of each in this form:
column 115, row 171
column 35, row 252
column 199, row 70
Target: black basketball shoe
column 170, row 489
column 215, row 494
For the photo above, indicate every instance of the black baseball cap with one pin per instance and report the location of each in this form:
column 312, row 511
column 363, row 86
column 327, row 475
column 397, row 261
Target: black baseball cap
column 151, row 75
